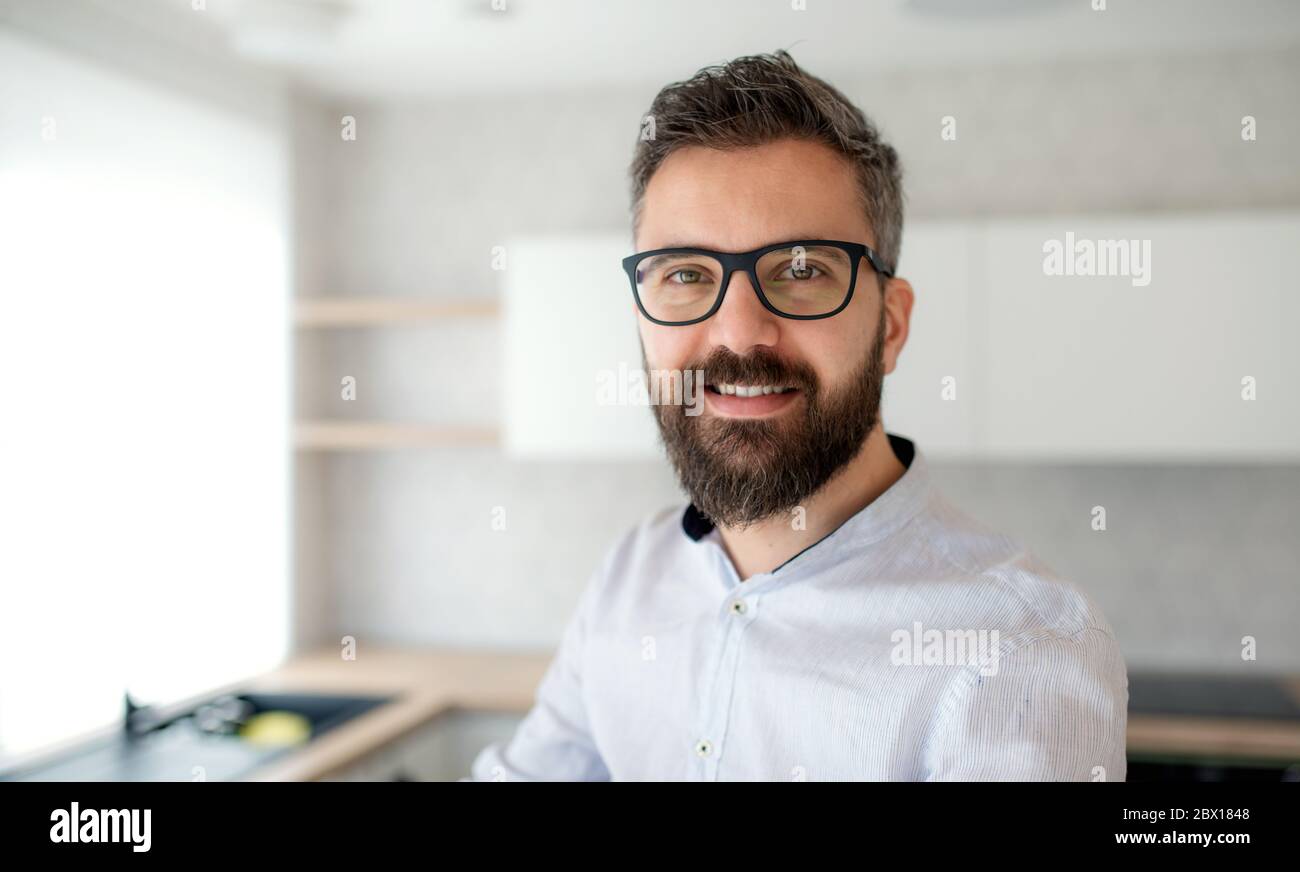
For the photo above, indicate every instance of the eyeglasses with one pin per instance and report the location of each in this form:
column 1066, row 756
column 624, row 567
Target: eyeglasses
column 805, row 279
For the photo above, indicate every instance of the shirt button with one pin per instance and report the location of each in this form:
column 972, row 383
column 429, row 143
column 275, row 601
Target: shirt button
column 738, row 607
column 704, row 747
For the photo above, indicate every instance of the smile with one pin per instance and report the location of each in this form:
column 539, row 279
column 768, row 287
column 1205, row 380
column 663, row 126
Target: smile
column 748, row 401
column 748, row 390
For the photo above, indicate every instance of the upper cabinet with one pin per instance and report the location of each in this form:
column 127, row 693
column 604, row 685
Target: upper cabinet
column 932, row 394
column 1156, row 361
column 572, row 352
column 1125, row 337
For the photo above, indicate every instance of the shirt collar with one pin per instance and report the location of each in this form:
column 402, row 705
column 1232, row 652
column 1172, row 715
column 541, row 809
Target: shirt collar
column 879, row 518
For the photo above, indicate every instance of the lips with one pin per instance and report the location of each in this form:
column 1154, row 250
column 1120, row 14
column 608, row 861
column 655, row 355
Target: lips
column 748, row 401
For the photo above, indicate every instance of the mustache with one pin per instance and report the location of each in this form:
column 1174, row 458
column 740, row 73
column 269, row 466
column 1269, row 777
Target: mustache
column 760, row 367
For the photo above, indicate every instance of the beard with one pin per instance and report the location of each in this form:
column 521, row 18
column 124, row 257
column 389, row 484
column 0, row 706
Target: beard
column 739, row 471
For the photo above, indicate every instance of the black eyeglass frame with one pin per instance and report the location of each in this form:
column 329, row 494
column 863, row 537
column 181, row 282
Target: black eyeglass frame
column 748, row 261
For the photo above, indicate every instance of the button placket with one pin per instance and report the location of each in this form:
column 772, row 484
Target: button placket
column 737, row 613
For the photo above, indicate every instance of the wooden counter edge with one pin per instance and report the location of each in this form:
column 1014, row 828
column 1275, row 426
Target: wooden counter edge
column 1230, row 738
column 425, row 684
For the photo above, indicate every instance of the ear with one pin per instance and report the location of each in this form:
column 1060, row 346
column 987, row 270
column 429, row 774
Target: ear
column 897, row 311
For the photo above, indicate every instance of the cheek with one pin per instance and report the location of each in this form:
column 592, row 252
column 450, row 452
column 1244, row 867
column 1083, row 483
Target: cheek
column 670, row 347
column 832, row 345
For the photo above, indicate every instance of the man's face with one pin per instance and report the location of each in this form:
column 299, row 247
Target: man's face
column 745, row 460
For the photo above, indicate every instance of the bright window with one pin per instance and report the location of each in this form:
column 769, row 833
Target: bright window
column 143, row 354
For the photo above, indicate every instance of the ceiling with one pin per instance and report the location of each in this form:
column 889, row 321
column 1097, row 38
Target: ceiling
column 447, row 48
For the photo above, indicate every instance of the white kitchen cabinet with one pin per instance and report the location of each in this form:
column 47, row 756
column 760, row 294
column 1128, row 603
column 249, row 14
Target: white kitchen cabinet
column 1102, row 367
column 569, row 321
column 1047, row 367
column 943, row 350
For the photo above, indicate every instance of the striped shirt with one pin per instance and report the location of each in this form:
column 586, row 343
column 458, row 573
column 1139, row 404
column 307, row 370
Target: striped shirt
column 911, row 643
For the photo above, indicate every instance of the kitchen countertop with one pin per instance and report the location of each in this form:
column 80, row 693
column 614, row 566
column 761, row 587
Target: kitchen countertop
column 431, row 682
column 427, row 682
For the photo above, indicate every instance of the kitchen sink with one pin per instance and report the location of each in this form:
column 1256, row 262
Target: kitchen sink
column 194, row 745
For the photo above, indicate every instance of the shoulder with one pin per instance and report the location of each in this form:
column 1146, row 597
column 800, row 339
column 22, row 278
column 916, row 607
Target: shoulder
column 657, row 531
column 1006, row 584
column 1049, row 698
column 652, row 546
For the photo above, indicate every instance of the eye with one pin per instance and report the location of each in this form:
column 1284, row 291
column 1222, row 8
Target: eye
column 692, row 276
column 802, row 274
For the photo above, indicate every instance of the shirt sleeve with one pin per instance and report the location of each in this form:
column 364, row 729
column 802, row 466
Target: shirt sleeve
column 553, row 742
column 1055, row 708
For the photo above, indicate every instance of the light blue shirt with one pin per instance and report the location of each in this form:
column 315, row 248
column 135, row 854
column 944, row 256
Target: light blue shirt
column 911, row 643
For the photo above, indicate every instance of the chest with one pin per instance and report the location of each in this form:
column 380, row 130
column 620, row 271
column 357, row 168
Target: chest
column 753, row 691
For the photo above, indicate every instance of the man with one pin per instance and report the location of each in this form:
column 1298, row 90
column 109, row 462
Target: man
column 817, row 611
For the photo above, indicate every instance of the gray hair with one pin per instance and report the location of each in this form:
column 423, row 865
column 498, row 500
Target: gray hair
column 758, row 99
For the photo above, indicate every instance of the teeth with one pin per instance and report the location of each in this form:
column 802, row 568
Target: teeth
column 750, row 390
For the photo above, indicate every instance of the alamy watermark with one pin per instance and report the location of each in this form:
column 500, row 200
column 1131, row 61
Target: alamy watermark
column 77, row 824
column 633, row 386
column 1102, row 257
column 965, row 647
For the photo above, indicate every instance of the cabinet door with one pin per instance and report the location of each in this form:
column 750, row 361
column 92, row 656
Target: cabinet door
column 934, row 392
column 1108, row 367
column 570, row 330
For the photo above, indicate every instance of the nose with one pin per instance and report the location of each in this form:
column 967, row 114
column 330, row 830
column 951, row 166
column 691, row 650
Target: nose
column 742, row 321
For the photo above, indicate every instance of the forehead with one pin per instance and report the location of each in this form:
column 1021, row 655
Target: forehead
column 740, row 199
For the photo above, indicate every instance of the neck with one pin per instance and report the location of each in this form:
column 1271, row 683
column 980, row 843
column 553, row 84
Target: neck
column 767, row 544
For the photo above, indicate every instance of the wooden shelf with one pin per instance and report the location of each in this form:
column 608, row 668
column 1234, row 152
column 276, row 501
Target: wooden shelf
column 377, row 311
column 381, row 435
